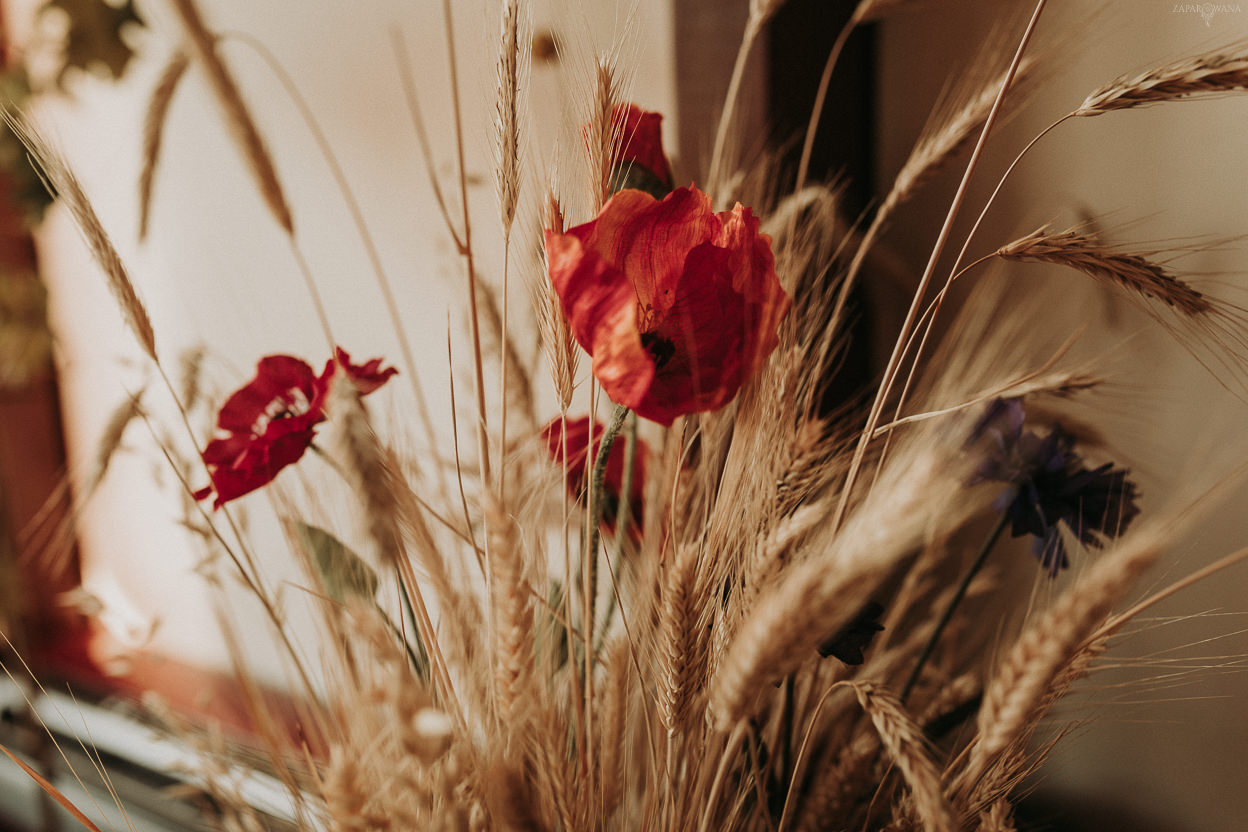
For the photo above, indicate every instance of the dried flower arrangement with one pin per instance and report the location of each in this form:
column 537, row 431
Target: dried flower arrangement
column 731, row 606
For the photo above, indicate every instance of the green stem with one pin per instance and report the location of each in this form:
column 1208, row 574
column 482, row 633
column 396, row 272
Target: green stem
column 621, row 523
column 626, row 489
column 980, row 559
column 598, row 482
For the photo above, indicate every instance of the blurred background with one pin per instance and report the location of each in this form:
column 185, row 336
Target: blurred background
column 127, row 605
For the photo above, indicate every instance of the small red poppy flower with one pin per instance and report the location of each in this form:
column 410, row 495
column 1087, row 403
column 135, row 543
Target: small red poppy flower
column 640, row 136
column 367, row 376
column 270, row 422
column 579, row 463
column 676, row 304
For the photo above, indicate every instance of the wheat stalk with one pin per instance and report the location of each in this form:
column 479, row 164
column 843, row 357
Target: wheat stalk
column 1207, row 74
column 682, row 651
column 511, row 601
column 62, row 181
column 237, row 114
column 1133, row 273
column 154, row 130
column 1027, row 674
column 906, row 745
column 947, row 140
column 512, row 76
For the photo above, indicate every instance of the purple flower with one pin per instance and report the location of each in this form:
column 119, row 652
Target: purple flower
column 1049, row 485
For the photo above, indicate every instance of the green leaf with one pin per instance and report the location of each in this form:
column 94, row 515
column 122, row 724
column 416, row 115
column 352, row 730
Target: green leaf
column 343, row 572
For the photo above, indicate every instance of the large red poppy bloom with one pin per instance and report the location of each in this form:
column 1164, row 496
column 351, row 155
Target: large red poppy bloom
column 676, row 304
column 270, row 421
column 580, row 460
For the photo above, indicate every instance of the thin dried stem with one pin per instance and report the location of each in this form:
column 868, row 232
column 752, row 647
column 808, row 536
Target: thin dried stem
column 483, row 446
column 891, row 371
column 361, row 227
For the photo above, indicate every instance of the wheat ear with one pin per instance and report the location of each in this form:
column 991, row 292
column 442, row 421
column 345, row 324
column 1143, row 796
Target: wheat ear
column 110, row 439
column 562, row 352
column 511, row 598
column 682, row 659
column 1134, row 273
column 906, row 745
column 512, row 69
column 1025, row 677
column 237, row 114
column 952, row 136
column 154, row 131
column 820, row 595
column 1207, row 74
column 62, row 181
column 602, row 132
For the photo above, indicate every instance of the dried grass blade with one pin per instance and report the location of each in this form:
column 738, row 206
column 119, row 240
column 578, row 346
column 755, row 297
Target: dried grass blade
column 51, row 790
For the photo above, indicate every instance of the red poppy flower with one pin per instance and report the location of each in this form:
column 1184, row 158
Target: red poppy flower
column 367, row 376
column 640, row 145
column 271, row 421
column 676, row 304
column 578, row 448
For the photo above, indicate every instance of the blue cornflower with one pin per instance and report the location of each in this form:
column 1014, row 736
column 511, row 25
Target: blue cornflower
column 1049, row 485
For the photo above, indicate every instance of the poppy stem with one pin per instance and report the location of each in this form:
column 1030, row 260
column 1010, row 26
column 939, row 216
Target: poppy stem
column 621, row 521
column 598, row 488
column 626, row 489
column 928, row 648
